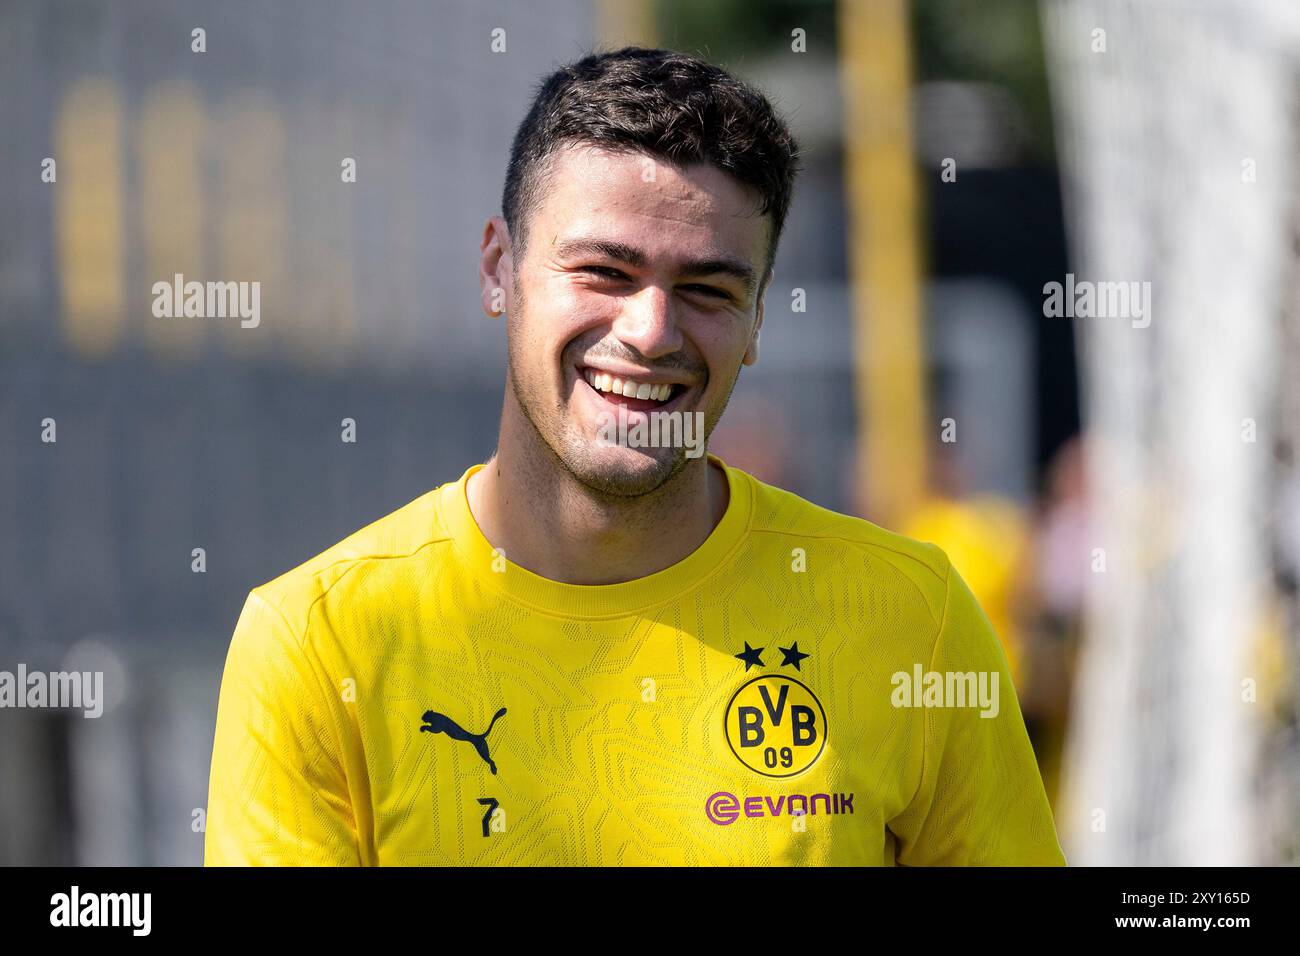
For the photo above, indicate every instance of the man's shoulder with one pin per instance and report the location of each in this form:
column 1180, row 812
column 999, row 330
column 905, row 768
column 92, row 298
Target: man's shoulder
column 404, row 533
column 779, row 512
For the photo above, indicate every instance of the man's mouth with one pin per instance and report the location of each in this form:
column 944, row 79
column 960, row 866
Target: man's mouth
column 634, row 393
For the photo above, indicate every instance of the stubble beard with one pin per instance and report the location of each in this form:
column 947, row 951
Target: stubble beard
column 579, row 456
column 574, row 452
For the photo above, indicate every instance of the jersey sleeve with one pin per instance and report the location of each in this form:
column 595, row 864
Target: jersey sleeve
column 981, row 800
column 278, row 794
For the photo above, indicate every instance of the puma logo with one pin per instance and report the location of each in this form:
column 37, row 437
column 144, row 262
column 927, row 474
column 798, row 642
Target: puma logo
column 435, row 723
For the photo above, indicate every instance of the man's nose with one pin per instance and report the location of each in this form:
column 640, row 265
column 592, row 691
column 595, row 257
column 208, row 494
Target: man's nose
column 648, row 323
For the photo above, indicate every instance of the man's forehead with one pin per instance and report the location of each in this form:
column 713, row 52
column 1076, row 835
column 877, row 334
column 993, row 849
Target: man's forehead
column 588, row 187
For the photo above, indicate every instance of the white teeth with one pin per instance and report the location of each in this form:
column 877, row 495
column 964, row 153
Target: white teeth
column 604, row 382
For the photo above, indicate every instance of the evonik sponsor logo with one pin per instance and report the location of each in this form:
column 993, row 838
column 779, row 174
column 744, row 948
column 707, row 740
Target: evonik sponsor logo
column 725, row 808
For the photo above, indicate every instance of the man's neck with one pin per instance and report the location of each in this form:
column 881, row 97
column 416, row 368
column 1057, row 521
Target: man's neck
column 545, row 520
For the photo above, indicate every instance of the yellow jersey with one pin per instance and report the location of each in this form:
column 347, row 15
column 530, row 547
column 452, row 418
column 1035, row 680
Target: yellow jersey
column 784, row 695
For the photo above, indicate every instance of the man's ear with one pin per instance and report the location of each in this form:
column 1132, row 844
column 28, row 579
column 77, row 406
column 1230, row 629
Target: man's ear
column 751, row 353
column 495, row 267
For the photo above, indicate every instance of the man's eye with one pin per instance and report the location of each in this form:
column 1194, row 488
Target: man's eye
column 604, row 272
column 711, row 291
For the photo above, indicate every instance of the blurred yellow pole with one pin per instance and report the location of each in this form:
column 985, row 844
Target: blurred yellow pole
column 622, row 23
column 875, row 73
column 90, row 216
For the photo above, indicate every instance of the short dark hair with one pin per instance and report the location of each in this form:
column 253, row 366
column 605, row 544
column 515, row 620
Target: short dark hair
column 667, row 104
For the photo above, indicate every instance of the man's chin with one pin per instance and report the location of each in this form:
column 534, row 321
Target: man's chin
column 627, row 472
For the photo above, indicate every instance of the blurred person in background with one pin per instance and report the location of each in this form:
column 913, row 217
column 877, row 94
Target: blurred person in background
column 986, row 536
column 1054, row 605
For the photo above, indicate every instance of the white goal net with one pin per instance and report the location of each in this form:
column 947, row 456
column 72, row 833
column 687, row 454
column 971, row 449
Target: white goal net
column 1178, row 134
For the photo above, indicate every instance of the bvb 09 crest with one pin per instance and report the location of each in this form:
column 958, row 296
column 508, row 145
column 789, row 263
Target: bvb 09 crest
column 776, row 726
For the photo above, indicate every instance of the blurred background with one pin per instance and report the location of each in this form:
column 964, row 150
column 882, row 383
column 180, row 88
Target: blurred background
column 1121, row 493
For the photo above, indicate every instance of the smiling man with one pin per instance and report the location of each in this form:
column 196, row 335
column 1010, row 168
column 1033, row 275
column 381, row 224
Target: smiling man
column 593, row 650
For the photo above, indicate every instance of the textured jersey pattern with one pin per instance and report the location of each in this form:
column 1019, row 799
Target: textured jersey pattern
column 410, row 697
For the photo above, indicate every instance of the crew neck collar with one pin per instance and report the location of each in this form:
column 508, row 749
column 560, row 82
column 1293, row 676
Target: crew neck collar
column 599, row 600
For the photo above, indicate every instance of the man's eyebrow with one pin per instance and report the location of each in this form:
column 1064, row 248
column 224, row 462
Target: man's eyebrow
column 622, row 252
column 577, row 248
